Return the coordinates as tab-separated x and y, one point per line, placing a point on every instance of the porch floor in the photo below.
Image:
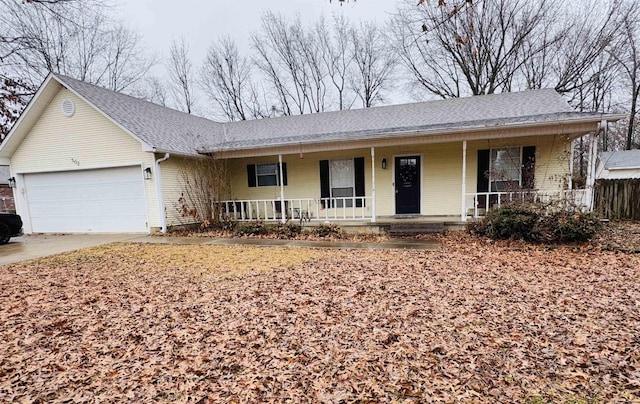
385	223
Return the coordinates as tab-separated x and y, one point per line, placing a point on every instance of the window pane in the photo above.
343	193
267	174
505	169
342	173
267	180
268	169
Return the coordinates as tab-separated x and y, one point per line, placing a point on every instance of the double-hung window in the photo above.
505	170
342	181
266	175
342	178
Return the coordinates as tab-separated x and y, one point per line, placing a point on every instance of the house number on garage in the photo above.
74	161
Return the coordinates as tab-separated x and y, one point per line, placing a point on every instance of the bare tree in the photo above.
123	63
337	54
374	63
291	60
627	55
71	37
181	75
226	78
479	52
151	89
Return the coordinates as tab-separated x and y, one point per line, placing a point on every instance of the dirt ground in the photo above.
477	321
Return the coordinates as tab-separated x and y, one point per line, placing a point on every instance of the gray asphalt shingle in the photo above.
170	130
621	159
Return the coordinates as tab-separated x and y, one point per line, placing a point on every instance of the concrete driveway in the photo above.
37	246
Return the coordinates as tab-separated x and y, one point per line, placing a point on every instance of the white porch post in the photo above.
282	204
373	185
591	169
571	154
463	213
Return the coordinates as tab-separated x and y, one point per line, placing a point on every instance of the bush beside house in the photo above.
535	223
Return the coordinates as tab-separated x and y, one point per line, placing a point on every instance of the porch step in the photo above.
414	228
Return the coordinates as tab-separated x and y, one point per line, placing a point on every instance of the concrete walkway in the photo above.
391	244
37	246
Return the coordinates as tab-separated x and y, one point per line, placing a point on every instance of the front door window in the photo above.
407	184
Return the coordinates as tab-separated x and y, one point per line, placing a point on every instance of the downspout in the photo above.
158	180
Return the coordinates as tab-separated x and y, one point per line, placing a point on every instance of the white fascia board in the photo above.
8	140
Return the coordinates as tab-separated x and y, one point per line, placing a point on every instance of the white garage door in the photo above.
89	201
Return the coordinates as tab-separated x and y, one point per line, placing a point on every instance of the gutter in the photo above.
160	196
392	134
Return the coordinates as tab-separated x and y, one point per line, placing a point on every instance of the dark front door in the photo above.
407	184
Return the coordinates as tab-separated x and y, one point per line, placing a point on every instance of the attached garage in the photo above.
85	159
110	200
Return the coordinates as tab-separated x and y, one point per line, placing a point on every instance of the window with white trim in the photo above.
342	180
267	174
505	169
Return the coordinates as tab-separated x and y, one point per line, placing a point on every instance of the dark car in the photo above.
10	226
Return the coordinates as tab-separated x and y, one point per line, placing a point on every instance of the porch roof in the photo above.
424	118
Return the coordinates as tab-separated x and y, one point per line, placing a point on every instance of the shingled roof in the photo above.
397	120
620	159
165	129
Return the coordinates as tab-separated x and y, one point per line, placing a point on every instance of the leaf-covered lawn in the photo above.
475	322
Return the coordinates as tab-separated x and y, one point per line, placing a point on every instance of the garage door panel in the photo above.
103	201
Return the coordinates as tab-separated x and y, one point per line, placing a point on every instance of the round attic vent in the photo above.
68	108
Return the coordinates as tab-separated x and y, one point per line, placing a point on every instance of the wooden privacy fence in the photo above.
618	199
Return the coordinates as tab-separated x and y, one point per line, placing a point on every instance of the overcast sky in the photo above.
201	22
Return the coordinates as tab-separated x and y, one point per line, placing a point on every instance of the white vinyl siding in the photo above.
85	141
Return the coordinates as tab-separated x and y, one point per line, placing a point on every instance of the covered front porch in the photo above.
421	182
350	212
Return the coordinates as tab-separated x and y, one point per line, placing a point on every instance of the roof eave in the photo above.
622	168
401	134
17	134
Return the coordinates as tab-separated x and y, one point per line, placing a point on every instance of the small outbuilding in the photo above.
615	165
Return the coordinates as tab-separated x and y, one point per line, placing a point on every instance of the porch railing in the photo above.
302	209
481	202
